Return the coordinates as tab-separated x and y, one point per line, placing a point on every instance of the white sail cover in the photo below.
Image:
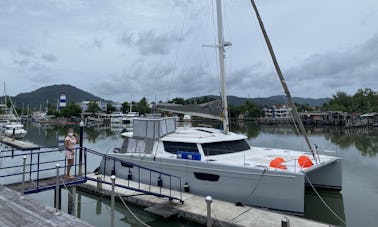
211	110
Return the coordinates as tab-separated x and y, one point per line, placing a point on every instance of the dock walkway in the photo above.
195	208
23	145
17	211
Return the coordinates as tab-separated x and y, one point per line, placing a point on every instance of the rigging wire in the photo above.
180	38
283	82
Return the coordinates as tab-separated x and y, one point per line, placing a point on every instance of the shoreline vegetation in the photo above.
357	110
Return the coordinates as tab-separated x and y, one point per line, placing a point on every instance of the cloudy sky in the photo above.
127	49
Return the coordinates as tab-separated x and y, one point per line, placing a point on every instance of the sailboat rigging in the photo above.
283	83
221	163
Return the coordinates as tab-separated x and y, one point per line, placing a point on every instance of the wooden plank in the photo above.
43	183
162	210
18	143
17	211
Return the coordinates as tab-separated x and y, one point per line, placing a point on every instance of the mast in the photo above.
5	100
283	82
221	51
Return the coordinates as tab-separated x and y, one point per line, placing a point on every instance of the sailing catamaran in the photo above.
221	163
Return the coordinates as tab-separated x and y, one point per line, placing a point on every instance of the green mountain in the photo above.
50	95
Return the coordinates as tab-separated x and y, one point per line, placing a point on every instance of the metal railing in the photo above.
118	165
35	166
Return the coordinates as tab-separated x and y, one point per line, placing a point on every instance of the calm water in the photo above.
357	203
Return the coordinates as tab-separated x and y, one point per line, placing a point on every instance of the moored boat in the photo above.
15	130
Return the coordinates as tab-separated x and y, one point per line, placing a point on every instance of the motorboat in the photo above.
15	130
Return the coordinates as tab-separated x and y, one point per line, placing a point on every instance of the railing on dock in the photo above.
32	171
39	172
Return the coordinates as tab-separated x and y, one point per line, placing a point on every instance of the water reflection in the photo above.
364	139
53	135
100	206
316	210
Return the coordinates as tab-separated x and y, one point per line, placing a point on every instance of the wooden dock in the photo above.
17	211
23	145
44	184
195	207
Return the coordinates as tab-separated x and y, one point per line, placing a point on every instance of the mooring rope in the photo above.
124	203
324	202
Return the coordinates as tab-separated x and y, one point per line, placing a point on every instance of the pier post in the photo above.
112	202
23	176
78	205
57	191
72	200
208	200
285	222
98	206
99	183
81	148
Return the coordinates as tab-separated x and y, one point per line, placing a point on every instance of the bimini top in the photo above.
165	129
151	128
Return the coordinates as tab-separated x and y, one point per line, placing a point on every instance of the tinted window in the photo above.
173	147
225	147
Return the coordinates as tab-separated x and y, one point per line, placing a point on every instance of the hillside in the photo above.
51	95
273	100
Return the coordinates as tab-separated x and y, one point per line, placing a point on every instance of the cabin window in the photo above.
225	147
206	176
174	147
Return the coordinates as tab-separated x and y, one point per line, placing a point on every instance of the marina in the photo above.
88	161
159	200
347	204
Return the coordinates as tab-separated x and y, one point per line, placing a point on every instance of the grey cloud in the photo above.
49	57
149	43
354	68
96	43
25	53
164	82
22	62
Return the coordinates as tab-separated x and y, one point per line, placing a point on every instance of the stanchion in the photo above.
23	176
81	148
57	191
208	200
112	202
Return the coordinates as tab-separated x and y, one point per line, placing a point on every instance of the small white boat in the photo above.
16	131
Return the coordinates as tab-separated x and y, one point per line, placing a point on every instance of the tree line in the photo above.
364	101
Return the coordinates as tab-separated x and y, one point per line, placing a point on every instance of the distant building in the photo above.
278	112
84	105
62	101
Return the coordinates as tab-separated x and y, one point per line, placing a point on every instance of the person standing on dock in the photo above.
69	143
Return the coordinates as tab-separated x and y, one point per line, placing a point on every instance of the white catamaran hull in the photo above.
257	186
